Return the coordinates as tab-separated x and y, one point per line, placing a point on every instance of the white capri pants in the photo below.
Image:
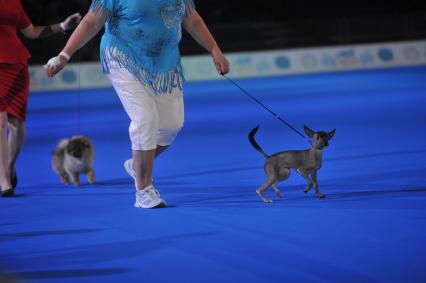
155	119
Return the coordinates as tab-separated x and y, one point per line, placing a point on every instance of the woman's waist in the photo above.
155	50
12	50
8	32
162	63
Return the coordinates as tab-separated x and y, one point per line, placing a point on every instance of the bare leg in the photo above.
277	191
17	134
4	154
143	165
264	186
314	179
305	175
283	174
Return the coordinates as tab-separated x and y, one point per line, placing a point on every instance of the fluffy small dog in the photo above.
73	157
306	162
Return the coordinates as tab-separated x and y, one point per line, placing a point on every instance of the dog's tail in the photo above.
254	143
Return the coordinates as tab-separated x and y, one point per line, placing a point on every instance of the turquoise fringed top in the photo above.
143	37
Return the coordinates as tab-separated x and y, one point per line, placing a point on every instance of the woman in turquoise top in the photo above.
140	54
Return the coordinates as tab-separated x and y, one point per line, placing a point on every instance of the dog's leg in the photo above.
305	175
91	176
315	181
270	174
75	178
284	173
264	186
64	178
277	191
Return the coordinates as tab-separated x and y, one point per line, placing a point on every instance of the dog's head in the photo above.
78	146
319	139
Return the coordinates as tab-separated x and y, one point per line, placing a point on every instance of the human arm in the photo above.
35	32
86	30
195	26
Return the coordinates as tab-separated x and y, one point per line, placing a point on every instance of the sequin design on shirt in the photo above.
172	13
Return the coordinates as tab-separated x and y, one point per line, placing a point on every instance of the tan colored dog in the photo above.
73	157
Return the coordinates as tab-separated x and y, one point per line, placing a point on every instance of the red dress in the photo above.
14	77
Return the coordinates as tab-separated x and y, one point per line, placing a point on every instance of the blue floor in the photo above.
370	228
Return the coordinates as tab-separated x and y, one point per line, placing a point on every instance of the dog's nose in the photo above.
77	154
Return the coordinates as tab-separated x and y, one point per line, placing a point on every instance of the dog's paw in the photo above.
65	181
91	177
265	199
280	194
321	196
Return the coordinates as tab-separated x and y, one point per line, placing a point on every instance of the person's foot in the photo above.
8	193
149	198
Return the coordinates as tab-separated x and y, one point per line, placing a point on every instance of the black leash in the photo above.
79	95
268	109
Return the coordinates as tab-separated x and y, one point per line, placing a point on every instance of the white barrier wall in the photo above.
257	64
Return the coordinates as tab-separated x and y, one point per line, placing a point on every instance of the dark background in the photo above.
261	25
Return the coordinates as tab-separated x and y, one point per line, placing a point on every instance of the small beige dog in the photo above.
73	157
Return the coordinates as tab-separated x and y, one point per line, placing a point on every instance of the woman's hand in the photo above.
55	65
71	21
220	61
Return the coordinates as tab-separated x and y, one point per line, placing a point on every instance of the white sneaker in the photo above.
128	166
149	198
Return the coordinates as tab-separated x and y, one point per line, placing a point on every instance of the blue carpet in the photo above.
370	228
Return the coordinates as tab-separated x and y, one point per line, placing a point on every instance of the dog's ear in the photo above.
309	132
331	134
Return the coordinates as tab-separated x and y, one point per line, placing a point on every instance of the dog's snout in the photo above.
77	154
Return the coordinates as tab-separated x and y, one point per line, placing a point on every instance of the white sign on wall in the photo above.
256	64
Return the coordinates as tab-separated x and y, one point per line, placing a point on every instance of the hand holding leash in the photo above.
220	61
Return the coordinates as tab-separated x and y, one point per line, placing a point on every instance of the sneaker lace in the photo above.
153	191
152	194
156	192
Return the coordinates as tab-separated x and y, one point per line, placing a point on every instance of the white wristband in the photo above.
66	55
62	25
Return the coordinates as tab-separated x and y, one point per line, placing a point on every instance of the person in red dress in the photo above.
14	83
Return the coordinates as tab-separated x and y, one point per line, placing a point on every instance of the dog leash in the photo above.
79	94
267	108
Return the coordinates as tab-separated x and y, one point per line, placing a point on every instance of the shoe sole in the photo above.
160	205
